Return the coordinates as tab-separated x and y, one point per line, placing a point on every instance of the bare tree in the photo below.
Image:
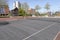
37	7
47	6
3	2
25	6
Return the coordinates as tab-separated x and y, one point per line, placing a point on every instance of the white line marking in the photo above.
56	36
38	31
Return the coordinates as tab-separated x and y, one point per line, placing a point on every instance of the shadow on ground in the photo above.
4	23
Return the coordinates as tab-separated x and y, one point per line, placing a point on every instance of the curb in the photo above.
57	37
12	20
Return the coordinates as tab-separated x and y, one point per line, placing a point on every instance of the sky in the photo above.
54	4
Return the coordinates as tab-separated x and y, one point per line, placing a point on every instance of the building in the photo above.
14	12
4	10
57	13
16	4
31	11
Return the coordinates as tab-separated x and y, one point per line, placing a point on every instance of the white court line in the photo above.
56	36
38	31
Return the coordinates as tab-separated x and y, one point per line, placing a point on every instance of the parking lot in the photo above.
30	29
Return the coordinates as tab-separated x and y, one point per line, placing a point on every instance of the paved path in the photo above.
30	29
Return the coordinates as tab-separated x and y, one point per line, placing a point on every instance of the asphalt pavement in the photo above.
30	29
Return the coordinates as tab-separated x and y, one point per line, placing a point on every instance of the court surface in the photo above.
30	29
